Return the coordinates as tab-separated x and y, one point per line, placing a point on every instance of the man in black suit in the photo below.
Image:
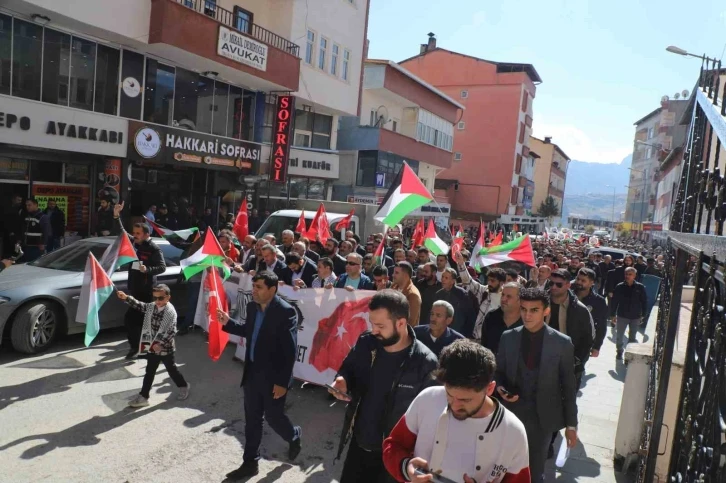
298	269
271	333
270	261
331	251
288	238
301	249
535	378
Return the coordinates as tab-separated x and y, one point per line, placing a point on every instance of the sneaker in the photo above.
183	392
132	355
139	402
248	469
295	445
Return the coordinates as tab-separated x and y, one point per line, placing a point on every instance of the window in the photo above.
204	108
322	128
243	19
521	132
322	55
27	53
83	68
366	175
464	94
77	174
269	119
525	101
394	126
346	63
461	126
159	92
312	130
210	7
310	48
132	71
107	61
434	130
219	108
457	156
49	171
240	117
374	118
334	60
6	41
56	65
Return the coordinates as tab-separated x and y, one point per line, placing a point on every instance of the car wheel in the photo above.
36	327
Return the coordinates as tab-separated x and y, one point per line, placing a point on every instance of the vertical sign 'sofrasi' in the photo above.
281	140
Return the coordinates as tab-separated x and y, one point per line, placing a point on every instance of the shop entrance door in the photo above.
8	190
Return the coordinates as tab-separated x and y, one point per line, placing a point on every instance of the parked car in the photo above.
39	300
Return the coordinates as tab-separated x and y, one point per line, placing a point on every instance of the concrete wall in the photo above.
372	100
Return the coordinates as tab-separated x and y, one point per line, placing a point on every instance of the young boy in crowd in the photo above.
158	331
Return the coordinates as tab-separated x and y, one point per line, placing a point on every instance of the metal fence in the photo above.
695	254
241	24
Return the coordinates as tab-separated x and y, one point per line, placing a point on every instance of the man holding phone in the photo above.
142	276
458	432
535	378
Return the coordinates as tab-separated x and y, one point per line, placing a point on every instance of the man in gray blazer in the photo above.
535	375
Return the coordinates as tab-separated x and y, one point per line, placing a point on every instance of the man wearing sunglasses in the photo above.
353	279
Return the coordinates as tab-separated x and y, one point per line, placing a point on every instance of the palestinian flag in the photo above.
517	250
379	255
172	236
120	252
433	242
210	254
97	288
480	244
407	193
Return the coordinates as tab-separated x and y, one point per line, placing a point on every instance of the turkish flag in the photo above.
418	234
498	239
241	228
217	300
322	224
345	222
457	246
301	228
313	231
337	334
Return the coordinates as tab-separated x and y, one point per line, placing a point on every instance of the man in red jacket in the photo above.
458	430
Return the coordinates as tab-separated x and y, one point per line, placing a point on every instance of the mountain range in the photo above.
587	192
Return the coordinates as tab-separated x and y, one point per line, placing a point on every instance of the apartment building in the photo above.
550	172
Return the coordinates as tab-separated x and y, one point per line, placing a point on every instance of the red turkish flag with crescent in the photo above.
241	227
217	300
301	228
418	234
337	334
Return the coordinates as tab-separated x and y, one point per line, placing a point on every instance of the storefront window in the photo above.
204	111
372	162
77	174
132	74
317	189
186	99
56	65
49	171
159	92
13	169
366	168
27	57
107	63
83	68
6	32
269	119
219	108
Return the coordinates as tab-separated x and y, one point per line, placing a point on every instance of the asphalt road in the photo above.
63	418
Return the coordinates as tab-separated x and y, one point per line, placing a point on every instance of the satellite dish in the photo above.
381	116
664	100
685	93
676	96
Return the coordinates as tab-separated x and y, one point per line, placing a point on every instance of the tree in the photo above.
548	209
590	229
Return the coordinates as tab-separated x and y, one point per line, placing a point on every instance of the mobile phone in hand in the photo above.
338	391
507	392
436	478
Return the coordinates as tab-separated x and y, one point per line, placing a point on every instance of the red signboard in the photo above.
652	226
281	139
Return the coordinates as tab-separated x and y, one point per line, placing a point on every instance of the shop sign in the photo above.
242	49
365	200
74	201
29	123
313	164
153	144
281	141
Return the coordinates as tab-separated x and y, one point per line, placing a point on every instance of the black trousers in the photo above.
260	404
134	323
363	466
152	364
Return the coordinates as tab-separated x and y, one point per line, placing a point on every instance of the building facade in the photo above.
657	135
403	118
550	172
161	101
491	139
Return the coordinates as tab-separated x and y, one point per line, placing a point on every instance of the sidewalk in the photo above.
598	407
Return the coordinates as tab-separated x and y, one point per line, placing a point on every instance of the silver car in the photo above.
39	300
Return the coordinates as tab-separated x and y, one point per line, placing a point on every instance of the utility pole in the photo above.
646	188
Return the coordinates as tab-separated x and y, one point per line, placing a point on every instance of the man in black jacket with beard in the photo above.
584	288
142	276
383	373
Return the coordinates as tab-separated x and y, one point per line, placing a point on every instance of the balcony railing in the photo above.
224	16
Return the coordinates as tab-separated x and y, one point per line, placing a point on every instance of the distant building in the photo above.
550	172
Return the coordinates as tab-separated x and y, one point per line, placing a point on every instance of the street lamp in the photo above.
612	218
677	50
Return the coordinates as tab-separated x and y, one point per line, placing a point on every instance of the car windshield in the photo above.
71	258
276	224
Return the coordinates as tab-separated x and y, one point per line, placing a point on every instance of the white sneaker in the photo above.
139	402
184	392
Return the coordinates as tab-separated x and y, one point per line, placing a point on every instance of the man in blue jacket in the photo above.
271	333
354	279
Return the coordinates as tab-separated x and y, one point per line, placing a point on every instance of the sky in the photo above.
603	64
